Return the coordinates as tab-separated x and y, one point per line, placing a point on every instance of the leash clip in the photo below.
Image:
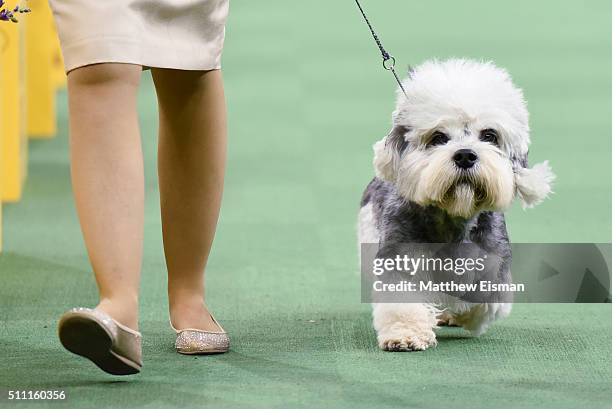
389	63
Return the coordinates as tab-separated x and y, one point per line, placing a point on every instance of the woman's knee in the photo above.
175	88
106	74
184	82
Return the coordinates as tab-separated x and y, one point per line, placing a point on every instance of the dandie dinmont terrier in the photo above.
454	160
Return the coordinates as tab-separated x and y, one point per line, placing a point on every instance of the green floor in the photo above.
307	98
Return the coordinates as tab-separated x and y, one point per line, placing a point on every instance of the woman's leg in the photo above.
191	165
108	180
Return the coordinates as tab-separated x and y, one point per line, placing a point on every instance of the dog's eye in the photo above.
489	135
438	138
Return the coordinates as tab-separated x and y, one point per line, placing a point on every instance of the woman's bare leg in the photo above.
191	165
108	180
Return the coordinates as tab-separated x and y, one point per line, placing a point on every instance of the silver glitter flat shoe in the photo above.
191	341
93	334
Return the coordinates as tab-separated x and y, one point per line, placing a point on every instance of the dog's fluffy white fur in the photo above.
460	97
450	94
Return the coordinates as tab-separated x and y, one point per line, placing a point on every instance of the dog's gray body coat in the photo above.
401	221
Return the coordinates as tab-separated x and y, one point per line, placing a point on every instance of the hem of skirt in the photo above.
124	51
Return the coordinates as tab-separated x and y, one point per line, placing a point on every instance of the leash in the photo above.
388	60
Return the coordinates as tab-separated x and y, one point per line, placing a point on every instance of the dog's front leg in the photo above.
405	327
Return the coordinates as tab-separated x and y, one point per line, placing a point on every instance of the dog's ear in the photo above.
534	184
387	153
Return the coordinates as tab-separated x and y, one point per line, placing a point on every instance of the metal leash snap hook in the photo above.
389	63
388	60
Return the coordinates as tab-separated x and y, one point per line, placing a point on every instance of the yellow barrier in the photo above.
13	140
40	86
41	79
31	70
2	40
57	60
1	136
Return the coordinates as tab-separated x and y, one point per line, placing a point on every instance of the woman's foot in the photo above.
93	334
197	331
189	311
124	310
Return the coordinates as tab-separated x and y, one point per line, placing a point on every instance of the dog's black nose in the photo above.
465	158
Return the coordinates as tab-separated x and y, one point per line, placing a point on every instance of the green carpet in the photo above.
307	98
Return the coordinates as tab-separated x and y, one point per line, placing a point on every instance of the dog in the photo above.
453	161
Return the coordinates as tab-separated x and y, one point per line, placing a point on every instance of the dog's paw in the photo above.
407	341
447	319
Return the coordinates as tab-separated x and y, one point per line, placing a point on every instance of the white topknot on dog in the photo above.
454	160
445	91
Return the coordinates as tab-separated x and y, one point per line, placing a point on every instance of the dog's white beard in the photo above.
433	179
462	201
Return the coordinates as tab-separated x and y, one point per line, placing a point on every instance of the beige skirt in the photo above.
179	34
